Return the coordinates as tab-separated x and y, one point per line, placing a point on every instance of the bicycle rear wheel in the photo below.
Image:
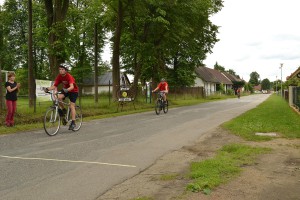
51	121
78	118
166	107
158	107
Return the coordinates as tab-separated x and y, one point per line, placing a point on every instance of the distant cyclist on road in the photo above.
162	87
70	89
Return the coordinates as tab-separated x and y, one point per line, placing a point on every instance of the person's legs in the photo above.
165	96
14	108
9	112
73	97
61	98
73	111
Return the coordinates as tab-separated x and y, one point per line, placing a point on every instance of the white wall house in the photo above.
104	83
211	79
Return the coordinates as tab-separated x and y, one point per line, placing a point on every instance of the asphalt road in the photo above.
85	164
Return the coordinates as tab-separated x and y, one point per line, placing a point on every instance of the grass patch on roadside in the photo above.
168	177
273	115
227	164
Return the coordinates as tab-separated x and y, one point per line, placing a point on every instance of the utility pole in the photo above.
281	89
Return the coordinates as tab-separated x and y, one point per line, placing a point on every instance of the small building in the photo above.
211	80
104	83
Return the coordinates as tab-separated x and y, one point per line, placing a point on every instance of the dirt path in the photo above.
274	176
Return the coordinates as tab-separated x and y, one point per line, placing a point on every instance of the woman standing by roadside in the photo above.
12	88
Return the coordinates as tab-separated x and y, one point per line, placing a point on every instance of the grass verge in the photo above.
273	115
210	173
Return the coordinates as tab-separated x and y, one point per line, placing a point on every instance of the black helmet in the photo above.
65	66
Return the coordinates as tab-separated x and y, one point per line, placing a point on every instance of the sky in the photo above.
258	35
255	36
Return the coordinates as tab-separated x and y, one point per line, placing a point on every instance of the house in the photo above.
104	83
257	88
211	80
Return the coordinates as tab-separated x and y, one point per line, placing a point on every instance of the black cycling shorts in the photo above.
71	95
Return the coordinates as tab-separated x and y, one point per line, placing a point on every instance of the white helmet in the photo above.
65	66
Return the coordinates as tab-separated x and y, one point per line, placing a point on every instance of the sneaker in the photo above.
72	126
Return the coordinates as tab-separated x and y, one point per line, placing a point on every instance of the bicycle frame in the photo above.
57	102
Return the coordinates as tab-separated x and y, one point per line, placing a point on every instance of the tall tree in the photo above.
31	79
96	64
116	48
56	11
1	58
219	67
265	84
254	78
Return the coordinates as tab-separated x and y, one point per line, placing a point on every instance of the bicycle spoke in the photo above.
51	121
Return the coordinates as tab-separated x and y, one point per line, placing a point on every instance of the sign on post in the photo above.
40	94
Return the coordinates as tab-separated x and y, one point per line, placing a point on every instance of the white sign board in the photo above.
40	94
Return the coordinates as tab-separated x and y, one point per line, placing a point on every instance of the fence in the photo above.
197	92
294	96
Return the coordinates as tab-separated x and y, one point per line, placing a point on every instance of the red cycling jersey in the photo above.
163	86
66	81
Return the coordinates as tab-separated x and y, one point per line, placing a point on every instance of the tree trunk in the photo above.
96	63
56	13
1	61
116	51
31	80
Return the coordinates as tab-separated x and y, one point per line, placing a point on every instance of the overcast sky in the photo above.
256	35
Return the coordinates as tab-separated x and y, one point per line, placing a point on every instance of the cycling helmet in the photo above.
162	80
65	66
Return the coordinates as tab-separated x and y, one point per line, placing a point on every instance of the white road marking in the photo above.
69	161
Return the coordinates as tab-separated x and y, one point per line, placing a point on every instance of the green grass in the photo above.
273	115
227	164
26	119
168	177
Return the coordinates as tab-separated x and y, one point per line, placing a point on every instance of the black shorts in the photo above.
71	95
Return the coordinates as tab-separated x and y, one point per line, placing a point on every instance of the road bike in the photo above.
160	104
54	117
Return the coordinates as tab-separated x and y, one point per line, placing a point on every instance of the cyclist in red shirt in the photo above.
162	87
70	89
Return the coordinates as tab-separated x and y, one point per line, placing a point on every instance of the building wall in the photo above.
90	89
209	88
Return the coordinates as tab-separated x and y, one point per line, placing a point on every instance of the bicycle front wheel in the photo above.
158	107
78	118
51	121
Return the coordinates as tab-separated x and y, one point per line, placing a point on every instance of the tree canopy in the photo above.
254	78
265	84
150	39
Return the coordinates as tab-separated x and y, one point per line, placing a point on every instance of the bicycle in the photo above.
160	104
52	118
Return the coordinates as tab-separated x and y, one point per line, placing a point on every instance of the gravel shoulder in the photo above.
275	175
